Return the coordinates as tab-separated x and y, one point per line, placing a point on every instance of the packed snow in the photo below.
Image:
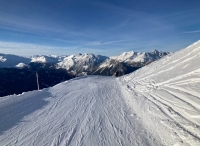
170	90
157	105
83	111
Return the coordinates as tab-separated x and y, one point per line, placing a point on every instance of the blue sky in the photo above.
106	27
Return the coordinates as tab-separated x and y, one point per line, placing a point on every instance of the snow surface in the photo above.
157	105
170	90
82	111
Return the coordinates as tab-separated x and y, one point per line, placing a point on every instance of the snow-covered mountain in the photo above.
158	104
127	62
21	65
47	59
85	63
140	56
111	66
8	60
81	62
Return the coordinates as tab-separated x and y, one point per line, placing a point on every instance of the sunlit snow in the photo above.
157	105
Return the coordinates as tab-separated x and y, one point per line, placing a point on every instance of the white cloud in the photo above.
196	31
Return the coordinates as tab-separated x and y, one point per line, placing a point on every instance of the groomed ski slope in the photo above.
156	105
85	111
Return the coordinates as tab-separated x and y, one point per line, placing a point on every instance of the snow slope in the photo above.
170	89
83	111
157	105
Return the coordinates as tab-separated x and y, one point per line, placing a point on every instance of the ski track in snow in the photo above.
176	112
93	113
171	86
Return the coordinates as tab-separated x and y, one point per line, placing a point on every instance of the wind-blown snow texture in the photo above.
157	105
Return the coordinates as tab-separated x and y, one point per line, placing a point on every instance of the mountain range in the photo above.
85	63
18	73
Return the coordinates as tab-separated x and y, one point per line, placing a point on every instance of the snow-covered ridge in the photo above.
182	63
81	61
47	59
21	65
140	56
128	62
107	63
109	67
8	60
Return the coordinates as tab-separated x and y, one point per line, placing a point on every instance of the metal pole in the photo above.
37	81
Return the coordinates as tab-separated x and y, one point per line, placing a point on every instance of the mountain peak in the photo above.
155	51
